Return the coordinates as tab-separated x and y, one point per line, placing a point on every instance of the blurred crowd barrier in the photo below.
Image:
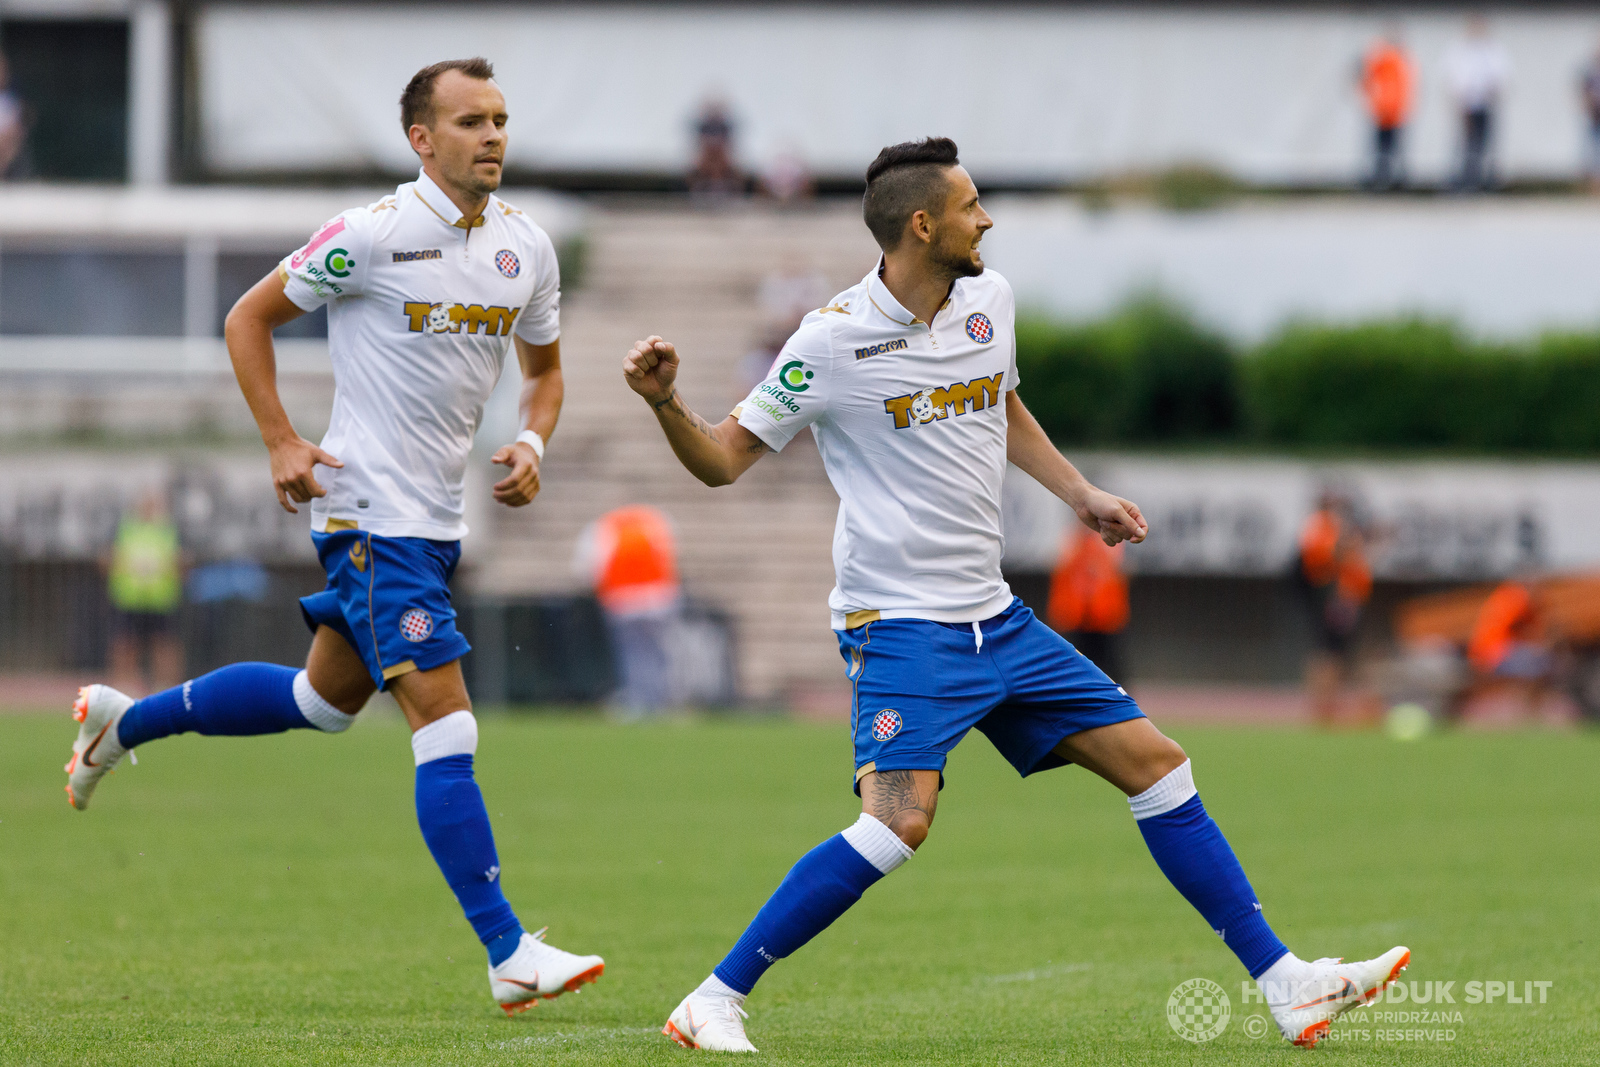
245	561
1214	591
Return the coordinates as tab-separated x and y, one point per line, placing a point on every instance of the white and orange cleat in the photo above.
1306	997
710	1019
99	708
538	970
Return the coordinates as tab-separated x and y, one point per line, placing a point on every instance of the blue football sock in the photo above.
1195	857
816	891
239	700
455	824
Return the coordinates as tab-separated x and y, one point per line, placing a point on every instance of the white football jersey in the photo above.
910	419
421	309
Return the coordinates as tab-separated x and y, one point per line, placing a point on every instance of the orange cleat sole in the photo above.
518	1009
1394	972
1311	1035
672	1032
586	978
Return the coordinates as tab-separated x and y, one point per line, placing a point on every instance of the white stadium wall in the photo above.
1031	94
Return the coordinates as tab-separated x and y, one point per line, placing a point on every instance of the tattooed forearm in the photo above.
674	403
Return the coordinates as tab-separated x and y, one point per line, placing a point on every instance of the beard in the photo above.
960	261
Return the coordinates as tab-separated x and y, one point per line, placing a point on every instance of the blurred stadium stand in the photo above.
197	143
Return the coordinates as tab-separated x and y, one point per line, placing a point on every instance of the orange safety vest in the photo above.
638	560
1327	556
1386	80
1088	591
1508	609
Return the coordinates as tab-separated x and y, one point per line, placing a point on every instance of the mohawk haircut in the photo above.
416	103
904	179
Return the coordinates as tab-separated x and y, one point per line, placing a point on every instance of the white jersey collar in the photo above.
888	306
433	198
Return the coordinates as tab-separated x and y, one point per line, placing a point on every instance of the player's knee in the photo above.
1165	756
911	827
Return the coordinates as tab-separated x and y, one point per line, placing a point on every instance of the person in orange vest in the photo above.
1509	641
1334	572
1089	599
1387	78
629	556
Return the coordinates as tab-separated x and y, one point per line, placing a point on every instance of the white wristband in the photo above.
533	441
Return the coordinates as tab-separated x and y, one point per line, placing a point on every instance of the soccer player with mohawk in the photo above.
908	382
426	290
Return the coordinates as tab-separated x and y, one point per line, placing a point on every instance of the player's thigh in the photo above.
430	695
337	673
904	801
1132	755
1053	692
918	689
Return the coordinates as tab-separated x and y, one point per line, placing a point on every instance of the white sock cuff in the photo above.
318	712
1171	792
878	845
716	987
454	735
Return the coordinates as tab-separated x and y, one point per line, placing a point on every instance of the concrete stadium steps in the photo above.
759	549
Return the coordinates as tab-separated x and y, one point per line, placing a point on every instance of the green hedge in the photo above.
1148	373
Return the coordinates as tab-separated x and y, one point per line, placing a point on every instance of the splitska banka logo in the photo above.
445	317
336	264
931	405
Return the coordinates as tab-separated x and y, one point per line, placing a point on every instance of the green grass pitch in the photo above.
270	900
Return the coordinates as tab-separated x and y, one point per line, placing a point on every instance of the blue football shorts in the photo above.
390	598
919	686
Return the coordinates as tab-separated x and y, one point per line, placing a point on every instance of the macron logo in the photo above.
877	350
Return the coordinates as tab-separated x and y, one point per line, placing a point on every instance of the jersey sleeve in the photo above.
796	390
540	321
1012	378
332	264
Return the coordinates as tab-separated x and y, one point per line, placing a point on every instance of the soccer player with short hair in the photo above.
908	382
426	291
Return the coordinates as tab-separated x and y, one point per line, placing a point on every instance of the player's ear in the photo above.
921	226
421	142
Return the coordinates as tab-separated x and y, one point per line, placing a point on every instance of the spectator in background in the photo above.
145	571
1510	646
1334	573
713	176
13	124
1477	69
786	177
1589	87
1089	599
629	557
790	292
1386	82
756	364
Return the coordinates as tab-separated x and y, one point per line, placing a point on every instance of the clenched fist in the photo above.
650	369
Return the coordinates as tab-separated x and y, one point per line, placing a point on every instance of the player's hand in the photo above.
522	484
1112	517
651	368
292	461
